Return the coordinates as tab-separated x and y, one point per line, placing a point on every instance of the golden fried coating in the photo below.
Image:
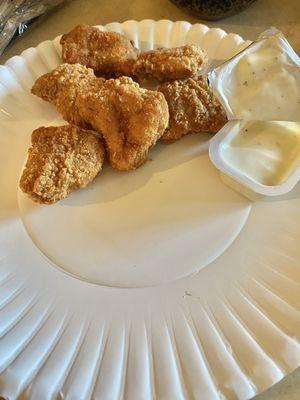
60	160
61	87
169	64
108	53
131	120
192	108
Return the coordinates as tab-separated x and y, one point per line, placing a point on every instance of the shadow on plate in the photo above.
111	184
293	194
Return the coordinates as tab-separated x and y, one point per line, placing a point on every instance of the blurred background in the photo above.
256	17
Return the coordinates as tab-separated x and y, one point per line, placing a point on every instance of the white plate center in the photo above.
162	222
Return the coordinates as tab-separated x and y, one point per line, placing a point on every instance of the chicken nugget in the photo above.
60	160
107	53
131	120
192	107
61	87
170	64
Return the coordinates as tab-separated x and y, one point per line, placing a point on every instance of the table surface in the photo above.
284	14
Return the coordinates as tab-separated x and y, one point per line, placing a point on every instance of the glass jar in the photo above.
213	9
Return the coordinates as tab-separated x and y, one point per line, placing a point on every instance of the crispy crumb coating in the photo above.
169	64
131	120
61	87
192	108
107	53
60	160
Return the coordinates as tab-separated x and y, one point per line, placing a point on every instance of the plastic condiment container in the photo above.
259	159
262	82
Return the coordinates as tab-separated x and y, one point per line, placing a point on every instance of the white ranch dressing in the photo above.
266	152
261	83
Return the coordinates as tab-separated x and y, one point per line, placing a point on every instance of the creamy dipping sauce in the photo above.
261	83
266	152
265	87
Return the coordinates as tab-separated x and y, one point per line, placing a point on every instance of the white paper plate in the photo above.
145	319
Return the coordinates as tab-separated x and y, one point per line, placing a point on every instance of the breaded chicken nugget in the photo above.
169	64
192	108
60	160
61	87
131	120
107	53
